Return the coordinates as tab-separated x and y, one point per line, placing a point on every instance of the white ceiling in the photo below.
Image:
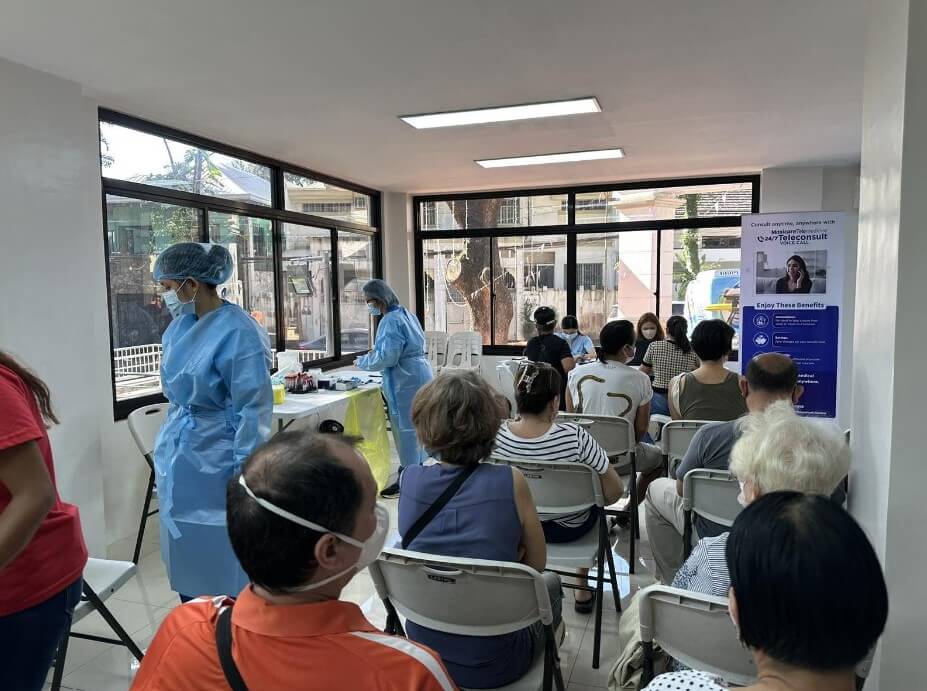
687	86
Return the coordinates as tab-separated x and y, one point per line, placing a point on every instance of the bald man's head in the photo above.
772	373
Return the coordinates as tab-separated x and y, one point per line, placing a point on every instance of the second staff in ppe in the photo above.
398	352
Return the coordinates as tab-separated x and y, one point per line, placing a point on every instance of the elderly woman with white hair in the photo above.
777	451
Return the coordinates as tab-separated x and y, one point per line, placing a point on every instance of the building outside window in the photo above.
666	247
509	212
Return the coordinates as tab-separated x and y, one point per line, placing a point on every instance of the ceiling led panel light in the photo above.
482	116
541	159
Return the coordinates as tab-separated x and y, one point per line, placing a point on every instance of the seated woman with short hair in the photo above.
807	597
711	391
536	434
491	516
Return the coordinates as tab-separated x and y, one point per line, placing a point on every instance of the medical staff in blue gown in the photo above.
215	372
399	352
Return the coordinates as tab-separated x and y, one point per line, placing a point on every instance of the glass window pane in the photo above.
136	156
616	278
137	232
322	199
531	272
705	281
456	277
251	287
509	212
728	199
307	285
355	268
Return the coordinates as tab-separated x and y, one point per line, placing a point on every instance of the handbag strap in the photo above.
224	646
439	504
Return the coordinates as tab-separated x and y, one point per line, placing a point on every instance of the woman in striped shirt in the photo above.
537	435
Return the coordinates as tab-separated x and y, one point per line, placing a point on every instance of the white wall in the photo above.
53	310
889	376
817	188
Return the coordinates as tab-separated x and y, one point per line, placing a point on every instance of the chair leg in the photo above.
113	624
613	576
599	594
647	671
686	535
60	656
632	506
552	672
144	519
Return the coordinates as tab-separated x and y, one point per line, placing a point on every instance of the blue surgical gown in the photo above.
215	372
399	352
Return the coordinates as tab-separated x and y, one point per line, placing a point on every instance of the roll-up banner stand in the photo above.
791	291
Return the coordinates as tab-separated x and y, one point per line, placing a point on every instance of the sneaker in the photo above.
391	492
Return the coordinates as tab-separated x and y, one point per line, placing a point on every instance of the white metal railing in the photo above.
137	370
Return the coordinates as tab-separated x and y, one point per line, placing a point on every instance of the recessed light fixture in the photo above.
480	116
568	157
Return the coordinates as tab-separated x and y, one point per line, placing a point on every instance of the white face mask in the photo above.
741	498
648	333
570	337
370	548
175	305
730	613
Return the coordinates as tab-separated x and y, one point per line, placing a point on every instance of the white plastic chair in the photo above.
144	424
560	488
675	439
464	350
616	436
696	630
711	494
436	349
469	597
102	578
505	372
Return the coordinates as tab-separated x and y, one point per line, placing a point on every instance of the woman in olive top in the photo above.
711	392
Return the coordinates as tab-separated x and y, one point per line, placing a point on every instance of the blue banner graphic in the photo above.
811	338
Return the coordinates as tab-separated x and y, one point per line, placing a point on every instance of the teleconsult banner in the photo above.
791	288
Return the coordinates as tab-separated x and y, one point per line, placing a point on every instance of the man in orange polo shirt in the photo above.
303	519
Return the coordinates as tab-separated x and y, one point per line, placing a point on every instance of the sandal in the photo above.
586	606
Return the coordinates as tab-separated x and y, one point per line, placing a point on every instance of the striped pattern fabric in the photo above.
705	571
564	442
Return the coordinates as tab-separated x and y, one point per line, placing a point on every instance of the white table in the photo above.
301	406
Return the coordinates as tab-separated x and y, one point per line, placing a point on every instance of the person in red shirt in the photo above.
42	551
303	520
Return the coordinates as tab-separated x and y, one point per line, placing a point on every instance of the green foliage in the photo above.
688	262
195	172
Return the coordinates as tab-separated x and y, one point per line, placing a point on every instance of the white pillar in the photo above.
889	378
398	264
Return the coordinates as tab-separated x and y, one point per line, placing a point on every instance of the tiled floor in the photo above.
146	600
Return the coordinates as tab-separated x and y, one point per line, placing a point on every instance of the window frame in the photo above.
571	229
276	213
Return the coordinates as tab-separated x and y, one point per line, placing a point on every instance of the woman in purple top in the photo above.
492	516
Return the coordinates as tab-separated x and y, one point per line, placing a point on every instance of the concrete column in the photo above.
398	264
889	377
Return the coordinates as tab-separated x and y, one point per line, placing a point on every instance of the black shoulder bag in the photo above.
224	646
435	508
